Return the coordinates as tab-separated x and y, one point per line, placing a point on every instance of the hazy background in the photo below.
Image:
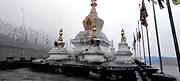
51	15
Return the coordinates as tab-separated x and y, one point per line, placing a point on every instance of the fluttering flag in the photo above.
176	2
143	14
138	33
134	42
153	1
161	4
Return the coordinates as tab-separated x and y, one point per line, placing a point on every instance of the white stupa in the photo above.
58	52
80	41
123	53
93	53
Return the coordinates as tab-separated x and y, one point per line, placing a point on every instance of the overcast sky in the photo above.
51	15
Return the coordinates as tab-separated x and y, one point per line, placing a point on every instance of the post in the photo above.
157	37
136	50
148	46
143	44
70	46
143	39
139	50
139	42
176	46
137	38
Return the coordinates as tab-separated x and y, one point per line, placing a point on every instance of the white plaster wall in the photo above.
94	57
123	47
55	57
123	58
104	49
82	48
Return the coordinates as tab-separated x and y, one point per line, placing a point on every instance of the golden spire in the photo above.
88	22
93	12
122	32
94	32
94	28
60	36
123	38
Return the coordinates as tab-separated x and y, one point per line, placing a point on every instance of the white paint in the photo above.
99	58
57	57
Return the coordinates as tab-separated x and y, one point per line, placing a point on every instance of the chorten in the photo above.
123	55
58	51
123	49
81	41
94	52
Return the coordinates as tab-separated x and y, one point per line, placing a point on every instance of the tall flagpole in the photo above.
135	52
176	46
148	46
137	37
143	44
139	42
134	45
157	37
143	40
136	48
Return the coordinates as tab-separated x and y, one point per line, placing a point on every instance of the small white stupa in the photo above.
58	52
123	53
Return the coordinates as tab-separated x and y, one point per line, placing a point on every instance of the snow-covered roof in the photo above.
56	50
57	57
88	34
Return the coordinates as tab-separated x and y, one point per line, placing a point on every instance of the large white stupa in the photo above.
81	41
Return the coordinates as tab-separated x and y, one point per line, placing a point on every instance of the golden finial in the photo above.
123	38
93	22
94	28
93	3
122	32
94	32
60	35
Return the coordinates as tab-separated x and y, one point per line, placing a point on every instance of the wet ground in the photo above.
169	69
25	74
